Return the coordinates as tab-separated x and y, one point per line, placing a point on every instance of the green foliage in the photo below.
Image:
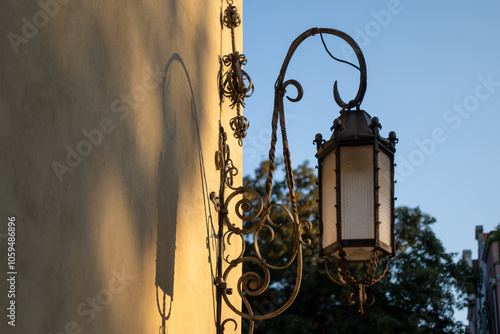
419	294
494	237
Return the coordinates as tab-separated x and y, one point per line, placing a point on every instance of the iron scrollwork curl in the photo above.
234	83
256	214
251	210
357	288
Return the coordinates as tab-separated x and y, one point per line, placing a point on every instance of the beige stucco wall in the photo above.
109	124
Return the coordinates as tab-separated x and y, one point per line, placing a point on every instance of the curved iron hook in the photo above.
298	86
356	102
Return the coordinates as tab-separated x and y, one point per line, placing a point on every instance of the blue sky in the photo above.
433	77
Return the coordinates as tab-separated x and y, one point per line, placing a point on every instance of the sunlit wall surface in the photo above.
109	127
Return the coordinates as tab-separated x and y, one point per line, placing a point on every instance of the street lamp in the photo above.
356	190
356	198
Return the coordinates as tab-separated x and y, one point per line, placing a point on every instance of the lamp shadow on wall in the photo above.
168	182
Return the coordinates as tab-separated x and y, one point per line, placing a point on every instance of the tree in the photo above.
419	294
494	236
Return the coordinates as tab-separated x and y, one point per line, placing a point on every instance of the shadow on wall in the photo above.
168	184
96	63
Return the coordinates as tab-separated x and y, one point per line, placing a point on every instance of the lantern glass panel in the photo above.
357	192
385	199
329	200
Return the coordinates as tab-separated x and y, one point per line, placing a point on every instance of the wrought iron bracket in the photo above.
250	283
256	214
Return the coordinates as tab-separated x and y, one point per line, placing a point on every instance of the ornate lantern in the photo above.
356	189
356	196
